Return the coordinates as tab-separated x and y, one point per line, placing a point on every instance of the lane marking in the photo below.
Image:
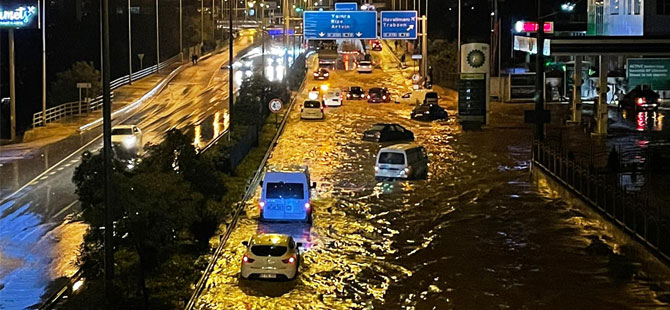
66	208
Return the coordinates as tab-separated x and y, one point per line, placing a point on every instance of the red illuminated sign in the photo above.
532	27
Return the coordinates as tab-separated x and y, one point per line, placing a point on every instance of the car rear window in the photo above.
355	89
284	190
122	131
365	63
268	250
431	95
378	127
312	104
392	158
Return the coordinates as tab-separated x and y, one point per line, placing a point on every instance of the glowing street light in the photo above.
568	6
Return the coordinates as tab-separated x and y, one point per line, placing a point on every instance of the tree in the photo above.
442	56
64	88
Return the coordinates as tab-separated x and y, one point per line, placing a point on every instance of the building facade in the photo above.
628	17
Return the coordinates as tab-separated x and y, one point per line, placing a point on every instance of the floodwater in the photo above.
478	233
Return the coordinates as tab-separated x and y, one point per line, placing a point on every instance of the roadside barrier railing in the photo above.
630	210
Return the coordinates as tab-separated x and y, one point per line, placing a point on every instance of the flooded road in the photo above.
477	234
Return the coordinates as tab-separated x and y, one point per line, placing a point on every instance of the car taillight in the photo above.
641	101
316	74
368	96
247	259
290	260
384	97
262	204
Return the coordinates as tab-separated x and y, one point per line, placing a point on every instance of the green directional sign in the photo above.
649	71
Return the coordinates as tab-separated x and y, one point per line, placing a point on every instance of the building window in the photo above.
638	4
663	7
629	7
614	7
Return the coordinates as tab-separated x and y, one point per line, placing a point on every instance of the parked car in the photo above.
321	74
641	98
270	256
382	132
379	94
311	109
355	93
365	66
376	45
286	195
333	97
429	112
401	161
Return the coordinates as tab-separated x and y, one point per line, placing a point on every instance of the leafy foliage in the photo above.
443	57
297	73
64	88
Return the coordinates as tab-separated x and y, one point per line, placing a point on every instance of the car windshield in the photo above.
391	158
284	190
122	131
355	90
269	250
312	104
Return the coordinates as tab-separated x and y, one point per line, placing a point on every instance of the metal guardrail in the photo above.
72	108
239	206
630	211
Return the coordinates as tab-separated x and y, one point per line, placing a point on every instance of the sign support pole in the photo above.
130	49
231	61
158	44
44	64
12	87
424	47
539	76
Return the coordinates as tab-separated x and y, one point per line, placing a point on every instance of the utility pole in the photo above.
263	38
107	155
539	75
287	22
202	24
44	63
158	44
231	61
130	48
213	21
12	87
458	40
424	47
181	29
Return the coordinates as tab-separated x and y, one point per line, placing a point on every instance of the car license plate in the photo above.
268	275
417	115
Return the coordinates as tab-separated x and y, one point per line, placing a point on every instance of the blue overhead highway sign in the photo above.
399	24
329	25
346	6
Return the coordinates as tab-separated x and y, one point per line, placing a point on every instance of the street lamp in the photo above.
568	6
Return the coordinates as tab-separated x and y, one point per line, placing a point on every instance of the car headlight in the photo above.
129	142
378	135
376	168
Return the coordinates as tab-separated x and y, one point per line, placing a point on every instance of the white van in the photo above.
418	97
286	195
404	161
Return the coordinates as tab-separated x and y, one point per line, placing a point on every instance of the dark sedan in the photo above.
379	94
387	132
640	99
355	93
321	74
429	112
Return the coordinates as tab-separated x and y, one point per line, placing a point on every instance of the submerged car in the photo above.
382	132
355	93
429	112
640	99
270	256
379	94
127	139
321	74
311	109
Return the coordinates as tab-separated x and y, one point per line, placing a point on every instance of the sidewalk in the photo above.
39	137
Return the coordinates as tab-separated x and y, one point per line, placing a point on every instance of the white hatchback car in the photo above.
271	256
365	66
311	109
128	137
333	97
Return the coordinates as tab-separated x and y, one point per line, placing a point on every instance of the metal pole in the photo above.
12	88
458	40
158	44
44	64
213	21
539	75
181	30
263	41
424	48
202	24
130	48
285	11
577	91
231	61
107	153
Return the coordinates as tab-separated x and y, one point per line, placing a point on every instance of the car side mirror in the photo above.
245	243
299	244
313	184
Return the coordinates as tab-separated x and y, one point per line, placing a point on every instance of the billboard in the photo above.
19	14
654	72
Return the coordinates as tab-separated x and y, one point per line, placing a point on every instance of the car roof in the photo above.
385	124
400	147
123	127
270	239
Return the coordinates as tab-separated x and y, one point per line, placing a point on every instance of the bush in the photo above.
64	88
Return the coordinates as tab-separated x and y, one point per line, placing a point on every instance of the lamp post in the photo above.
158	44
181	30
44	64
130	48
231	61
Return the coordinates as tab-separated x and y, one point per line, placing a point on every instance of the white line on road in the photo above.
66	208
